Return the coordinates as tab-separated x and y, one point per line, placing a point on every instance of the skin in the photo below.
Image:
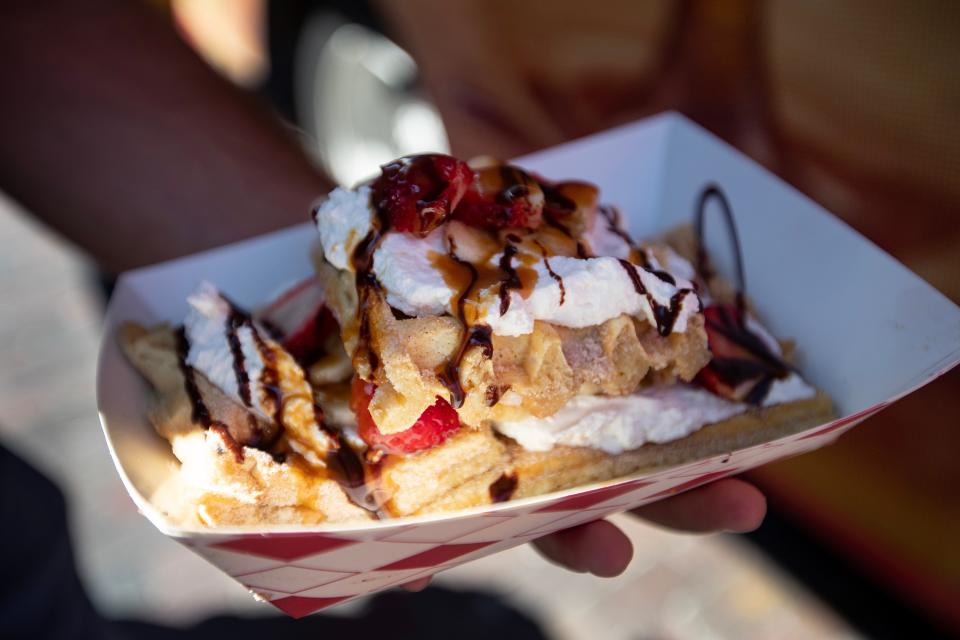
121	139
600	548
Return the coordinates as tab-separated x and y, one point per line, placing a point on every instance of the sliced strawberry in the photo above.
417	193
307	344
501	197
433	427
299	319
743	367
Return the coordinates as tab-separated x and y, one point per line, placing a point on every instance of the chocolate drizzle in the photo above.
761	366
350	471
704	269
270	378
555	203
638	254
367	287
557	206
478	335
553	274
228	440
502	488
259	433
234	321
550	218
199	411
511	280
515	185
731	324
665	315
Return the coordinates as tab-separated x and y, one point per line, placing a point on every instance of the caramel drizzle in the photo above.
478	335
552	221
270	378
665	316
555	201
367	287
341	461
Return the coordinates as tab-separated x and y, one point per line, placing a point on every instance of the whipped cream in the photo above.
344	220
210	352
615	424
595	289
658	414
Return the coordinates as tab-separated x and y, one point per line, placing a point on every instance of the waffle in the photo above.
529	375
219	481
404	413
533	473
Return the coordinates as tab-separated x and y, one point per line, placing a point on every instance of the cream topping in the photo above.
596	289
208	330
616	424
343	219
210	352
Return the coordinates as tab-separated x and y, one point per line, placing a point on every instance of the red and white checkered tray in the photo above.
868	332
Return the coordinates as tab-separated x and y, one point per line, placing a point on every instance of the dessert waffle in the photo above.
473	335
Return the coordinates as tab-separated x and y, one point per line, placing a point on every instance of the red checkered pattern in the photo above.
303	573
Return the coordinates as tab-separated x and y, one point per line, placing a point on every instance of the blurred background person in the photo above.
853	103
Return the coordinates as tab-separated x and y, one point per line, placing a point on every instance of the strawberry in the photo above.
416	194
743	367
501	196
306	345
437	423
299	319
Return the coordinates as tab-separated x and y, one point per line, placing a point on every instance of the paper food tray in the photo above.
868	332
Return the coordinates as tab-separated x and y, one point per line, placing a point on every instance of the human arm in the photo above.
123	140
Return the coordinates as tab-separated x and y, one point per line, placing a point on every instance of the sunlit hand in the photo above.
604	550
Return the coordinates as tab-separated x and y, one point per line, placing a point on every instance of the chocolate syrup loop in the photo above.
713	190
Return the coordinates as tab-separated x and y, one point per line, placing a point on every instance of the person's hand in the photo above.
604	550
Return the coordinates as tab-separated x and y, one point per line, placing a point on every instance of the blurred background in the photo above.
854	103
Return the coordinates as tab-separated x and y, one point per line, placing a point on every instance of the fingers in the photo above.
417	585
726	505
598	547
602	549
